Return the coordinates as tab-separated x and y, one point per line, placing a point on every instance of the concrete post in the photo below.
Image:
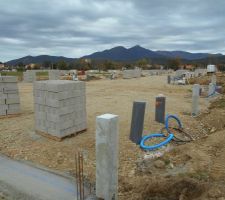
195	99
160	106
137	121
168	79
107	130
211	89
213	79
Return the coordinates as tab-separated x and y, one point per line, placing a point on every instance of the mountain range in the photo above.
122	54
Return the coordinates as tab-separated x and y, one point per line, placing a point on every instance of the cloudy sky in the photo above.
74	28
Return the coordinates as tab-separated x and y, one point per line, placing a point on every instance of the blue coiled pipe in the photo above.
167	122
147	137
166	141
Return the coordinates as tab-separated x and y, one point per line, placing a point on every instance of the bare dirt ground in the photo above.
188	171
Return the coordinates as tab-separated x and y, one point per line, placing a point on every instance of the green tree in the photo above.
62	65
47	64
37	66
174	63
20	64
142	63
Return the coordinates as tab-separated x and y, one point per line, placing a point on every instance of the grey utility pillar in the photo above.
213	79
137	121
107	133
212	88
160	107
195	99
168	79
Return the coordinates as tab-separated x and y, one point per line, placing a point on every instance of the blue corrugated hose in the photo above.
166	141
143	146
167	122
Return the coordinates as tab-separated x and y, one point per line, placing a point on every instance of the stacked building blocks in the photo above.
54	74
29	76
131	73
60	108
9	96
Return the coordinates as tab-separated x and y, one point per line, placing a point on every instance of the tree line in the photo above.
145	63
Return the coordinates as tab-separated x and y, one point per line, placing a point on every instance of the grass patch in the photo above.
12	73
41	73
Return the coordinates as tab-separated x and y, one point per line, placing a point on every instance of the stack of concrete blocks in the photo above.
200	72
54	74
131	73
64	72
181	72
29	76
9	95
60	107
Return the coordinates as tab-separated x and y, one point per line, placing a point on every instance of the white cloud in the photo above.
74	28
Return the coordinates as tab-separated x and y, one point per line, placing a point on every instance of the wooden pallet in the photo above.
9	116
58	139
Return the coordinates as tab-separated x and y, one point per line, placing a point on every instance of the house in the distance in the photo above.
2	66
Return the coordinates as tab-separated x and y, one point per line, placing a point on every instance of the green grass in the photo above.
11	73
41	73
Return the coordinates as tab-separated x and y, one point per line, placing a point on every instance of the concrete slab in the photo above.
38	183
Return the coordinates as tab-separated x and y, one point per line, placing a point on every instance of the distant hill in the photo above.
137	52
39	59
186	55
123	54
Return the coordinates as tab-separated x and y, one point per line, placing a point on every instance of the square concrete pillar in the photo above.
213	79
195	99
160	108
212	88
107	132
137	121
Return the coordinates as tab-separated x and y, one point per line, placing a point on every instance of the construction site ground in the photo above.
187	171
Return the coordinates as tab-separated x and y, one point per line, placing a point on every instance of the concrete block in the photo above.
58	118
2	112
9	79
3	107
3	95
14	106
60	101
39	85
40	125
81	127
107	130
39	100
40	93
13	100
2	101
12	96
10	86
40	115
13	109
60	125
60	85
